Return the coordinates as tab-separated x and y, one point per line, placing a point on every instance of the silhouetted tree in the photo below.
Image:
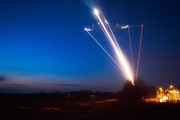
132	94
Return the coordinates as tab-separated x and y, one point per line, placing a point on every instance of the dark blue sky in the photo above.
43	46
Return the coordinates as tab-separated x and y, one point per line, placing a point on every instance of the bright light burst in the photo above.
122	61
96	12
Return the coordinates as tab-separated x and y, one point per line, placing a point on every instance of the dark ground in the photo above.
57	107
143	112
71	110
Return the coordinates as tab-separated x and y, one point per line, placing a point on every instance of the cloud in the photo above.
19	85
71	85
2	78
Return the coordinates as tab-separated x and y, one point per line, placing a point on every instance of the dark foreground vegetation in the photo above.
126	104
55	106
73	110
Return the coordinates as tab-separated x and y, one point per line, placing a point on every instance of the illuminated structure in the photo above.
161	95
169	95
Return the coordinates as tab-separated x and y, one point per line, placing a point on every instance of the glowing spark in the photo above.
121	58
96	12
125	27
106	21
87	29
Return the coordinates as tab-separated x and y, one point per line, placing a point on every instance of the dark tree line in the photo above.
130	94
73	95
133	94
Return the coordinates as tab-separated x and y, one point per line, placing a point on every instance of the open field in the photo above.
84	110
35	109
142	112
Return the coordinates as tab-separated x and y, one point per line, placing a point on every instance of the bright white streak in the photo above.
118	52
105	51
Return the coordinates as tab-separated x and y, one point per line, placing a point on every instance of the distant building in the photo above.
169	95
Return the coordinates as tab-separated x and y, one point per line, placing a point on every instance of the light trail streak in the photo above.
129	35
105	51
139	53
113	36
132	59
121	58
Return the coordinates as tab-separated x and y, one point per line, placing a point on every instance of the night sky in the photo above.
43	45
